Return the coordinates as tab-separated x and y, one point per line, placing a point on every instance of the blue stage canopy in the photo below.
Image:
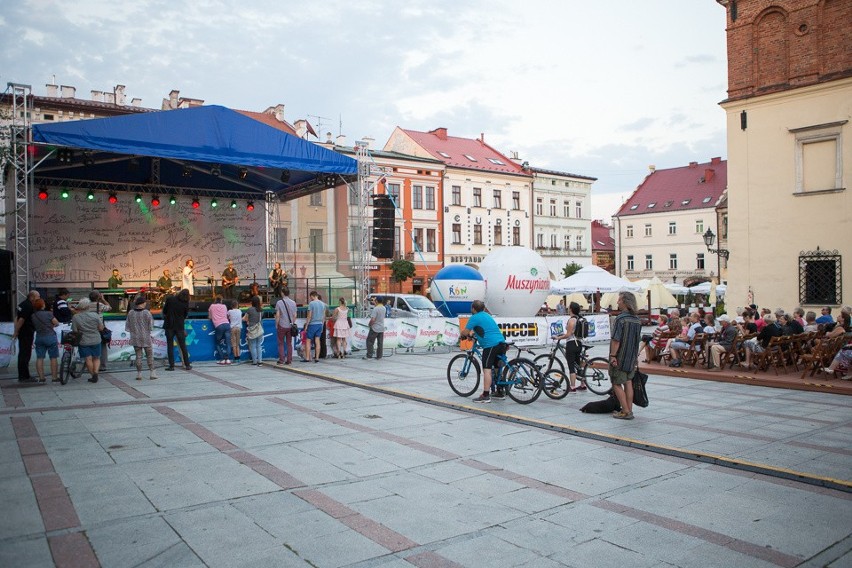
206	149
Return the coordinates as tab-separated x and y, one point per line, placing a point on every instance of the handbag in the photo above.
254	331
640	393
106	335
294	329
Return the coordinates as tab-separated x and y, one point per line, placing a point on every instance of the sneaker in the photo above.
227	361
484	397
828	371
675	363
153	377
279	363
188	367
580	387
499	394
623	415
170	368
138	377
220	362
93	378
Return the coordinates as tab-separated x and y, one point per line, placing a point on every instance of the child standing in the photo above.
235	318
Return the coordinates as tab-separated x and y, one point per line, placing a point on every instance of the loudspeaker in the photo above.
383	227
199	306
7	299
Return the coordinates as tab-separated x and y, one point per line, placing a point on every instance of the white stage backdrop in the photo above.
77	240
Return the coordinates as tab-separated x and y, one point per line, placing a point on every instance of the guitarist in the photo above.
277	280
229	280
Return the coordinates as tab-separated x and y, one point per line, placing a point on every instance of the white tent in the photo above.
591	279
704	288
676	289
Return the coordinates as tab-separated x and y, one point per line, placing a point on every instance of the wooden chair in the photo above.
736	353
696	350
656	352
762	361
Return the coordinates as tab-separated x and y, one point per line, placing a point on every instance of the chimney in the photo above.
136	101
652	168
441	133
693	164
717	160
68	92
120	97
277	111
328	137
708	174
301	129
52	90
98	96
482	137
341	140
109	98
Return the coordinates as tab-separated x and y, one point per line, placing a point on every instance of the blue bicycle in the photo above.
519	377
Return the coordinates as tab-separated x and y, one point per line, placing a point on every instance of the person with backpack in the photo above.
575	332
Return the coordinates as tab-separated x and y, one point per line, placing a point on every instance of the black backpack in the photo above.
581	328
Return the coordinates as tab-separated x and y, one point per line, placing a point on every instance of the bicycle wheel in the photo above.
463	374
65	367
555	384
76	368
545	363
596	379
522	382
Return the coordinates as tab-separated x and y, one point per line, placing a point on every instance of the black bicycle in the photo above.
70	365
555	381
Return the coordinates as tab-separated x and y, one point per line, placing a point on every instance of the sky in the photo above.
600	88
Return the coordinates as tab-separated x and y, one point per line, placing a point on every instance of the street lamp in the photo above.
709	237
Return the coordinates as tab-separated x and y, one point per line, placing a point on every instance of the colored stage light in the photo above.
243	173
250	206
155	201
113	198
172	200
42	194
233	204
64	193
195	203
138	198
91	195
214	204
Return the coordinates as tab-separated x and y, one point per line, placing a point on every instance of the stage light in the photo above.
214	204
187	171
65	156
64	193
250	206
233	204
138	198
91	195
216	171
113	198
155	201
88	160
172	200
195	203
243	173
42	194
285	176
330	181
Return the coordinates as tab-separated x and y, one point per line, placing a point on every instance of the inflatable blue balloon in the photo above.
455	287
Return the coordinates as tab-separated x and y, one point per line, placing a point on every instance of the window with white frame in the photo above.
553	208
553	244
281	239
566	209
818	159
315	240
397	240
539	240
672	227
699	261
649	262
393	191
647	229
456	195
498	235
672	261
477	197
417	196
477	234
629	231
456	233
578	242
430	240
579	209
567	242
418	239
539	206
631	265
516	236
430	198
316	199
699	226
498	199
516	200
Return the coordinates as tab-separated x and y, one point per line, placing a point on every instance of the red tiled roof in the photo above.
601	239
696	186
470	153
269	120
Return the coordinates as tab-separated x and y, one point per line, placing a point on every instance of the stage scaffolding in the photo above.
22	179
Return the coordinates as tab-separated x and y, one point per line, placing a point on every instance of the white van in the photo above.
408	305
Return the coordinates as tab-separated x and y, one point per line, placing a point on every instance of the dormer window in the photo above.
652	205
444	154
685	201
668	203
706	200
469	157
634	207
498	162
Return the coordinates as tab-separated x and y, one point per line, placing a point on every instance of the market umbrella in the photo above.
661	297
591	279
579	298
676	289
712	299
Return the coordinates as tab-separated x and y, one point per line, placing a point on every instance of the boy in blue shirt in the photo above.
493	344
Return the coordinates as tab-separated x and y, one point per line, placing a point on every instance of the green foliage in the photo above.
402	270
570	269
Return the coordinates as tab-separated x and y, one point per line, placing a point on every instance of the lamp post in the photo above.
709	238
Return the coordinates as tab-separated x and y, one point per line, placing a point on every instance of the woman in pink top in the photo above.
218	313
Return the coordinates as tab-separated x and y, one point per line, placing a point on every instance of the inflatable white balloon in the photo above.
517	281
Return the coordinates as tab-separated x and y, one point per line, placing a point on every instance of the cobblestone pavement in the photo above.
369	463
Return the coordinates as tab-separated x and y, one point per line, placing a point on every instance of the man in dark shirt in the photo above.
25	334
116	280
229	281
61	311
164	283
789	325
175	311
623	353
723	344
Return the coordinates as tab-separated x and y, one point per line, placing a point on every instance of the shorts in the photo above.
619	377
46	346
314	331
680	345
90	350
490	355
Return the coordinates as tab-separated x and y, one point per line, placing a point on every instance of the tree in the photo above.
570	269
402	270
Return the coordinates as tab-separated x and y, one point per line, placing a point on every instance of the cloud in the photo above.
697	59
639	124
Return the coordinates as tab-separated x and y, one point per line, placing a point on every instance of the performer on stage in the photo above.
188	276
164	283
116	280
277	280
229	280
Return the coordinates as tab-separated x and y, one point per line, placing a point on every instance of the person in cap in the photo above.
724	342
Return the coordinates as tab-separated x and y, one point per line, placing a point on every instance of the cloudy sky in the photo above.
600	88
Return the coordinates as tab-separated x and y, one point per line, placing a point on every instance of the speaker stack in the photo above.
383	227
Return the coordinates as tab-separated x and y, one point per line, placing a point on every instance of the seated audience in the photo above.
723	343
761	342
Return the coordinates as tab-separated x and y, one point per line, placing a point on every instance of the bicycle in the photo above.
71	366
555	381
519	377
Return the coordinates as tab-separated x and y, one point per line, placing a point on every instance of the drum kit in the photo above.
155	295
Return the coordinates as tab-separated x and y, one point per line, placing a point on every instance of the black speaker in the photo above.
7	299
383	227
199	306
